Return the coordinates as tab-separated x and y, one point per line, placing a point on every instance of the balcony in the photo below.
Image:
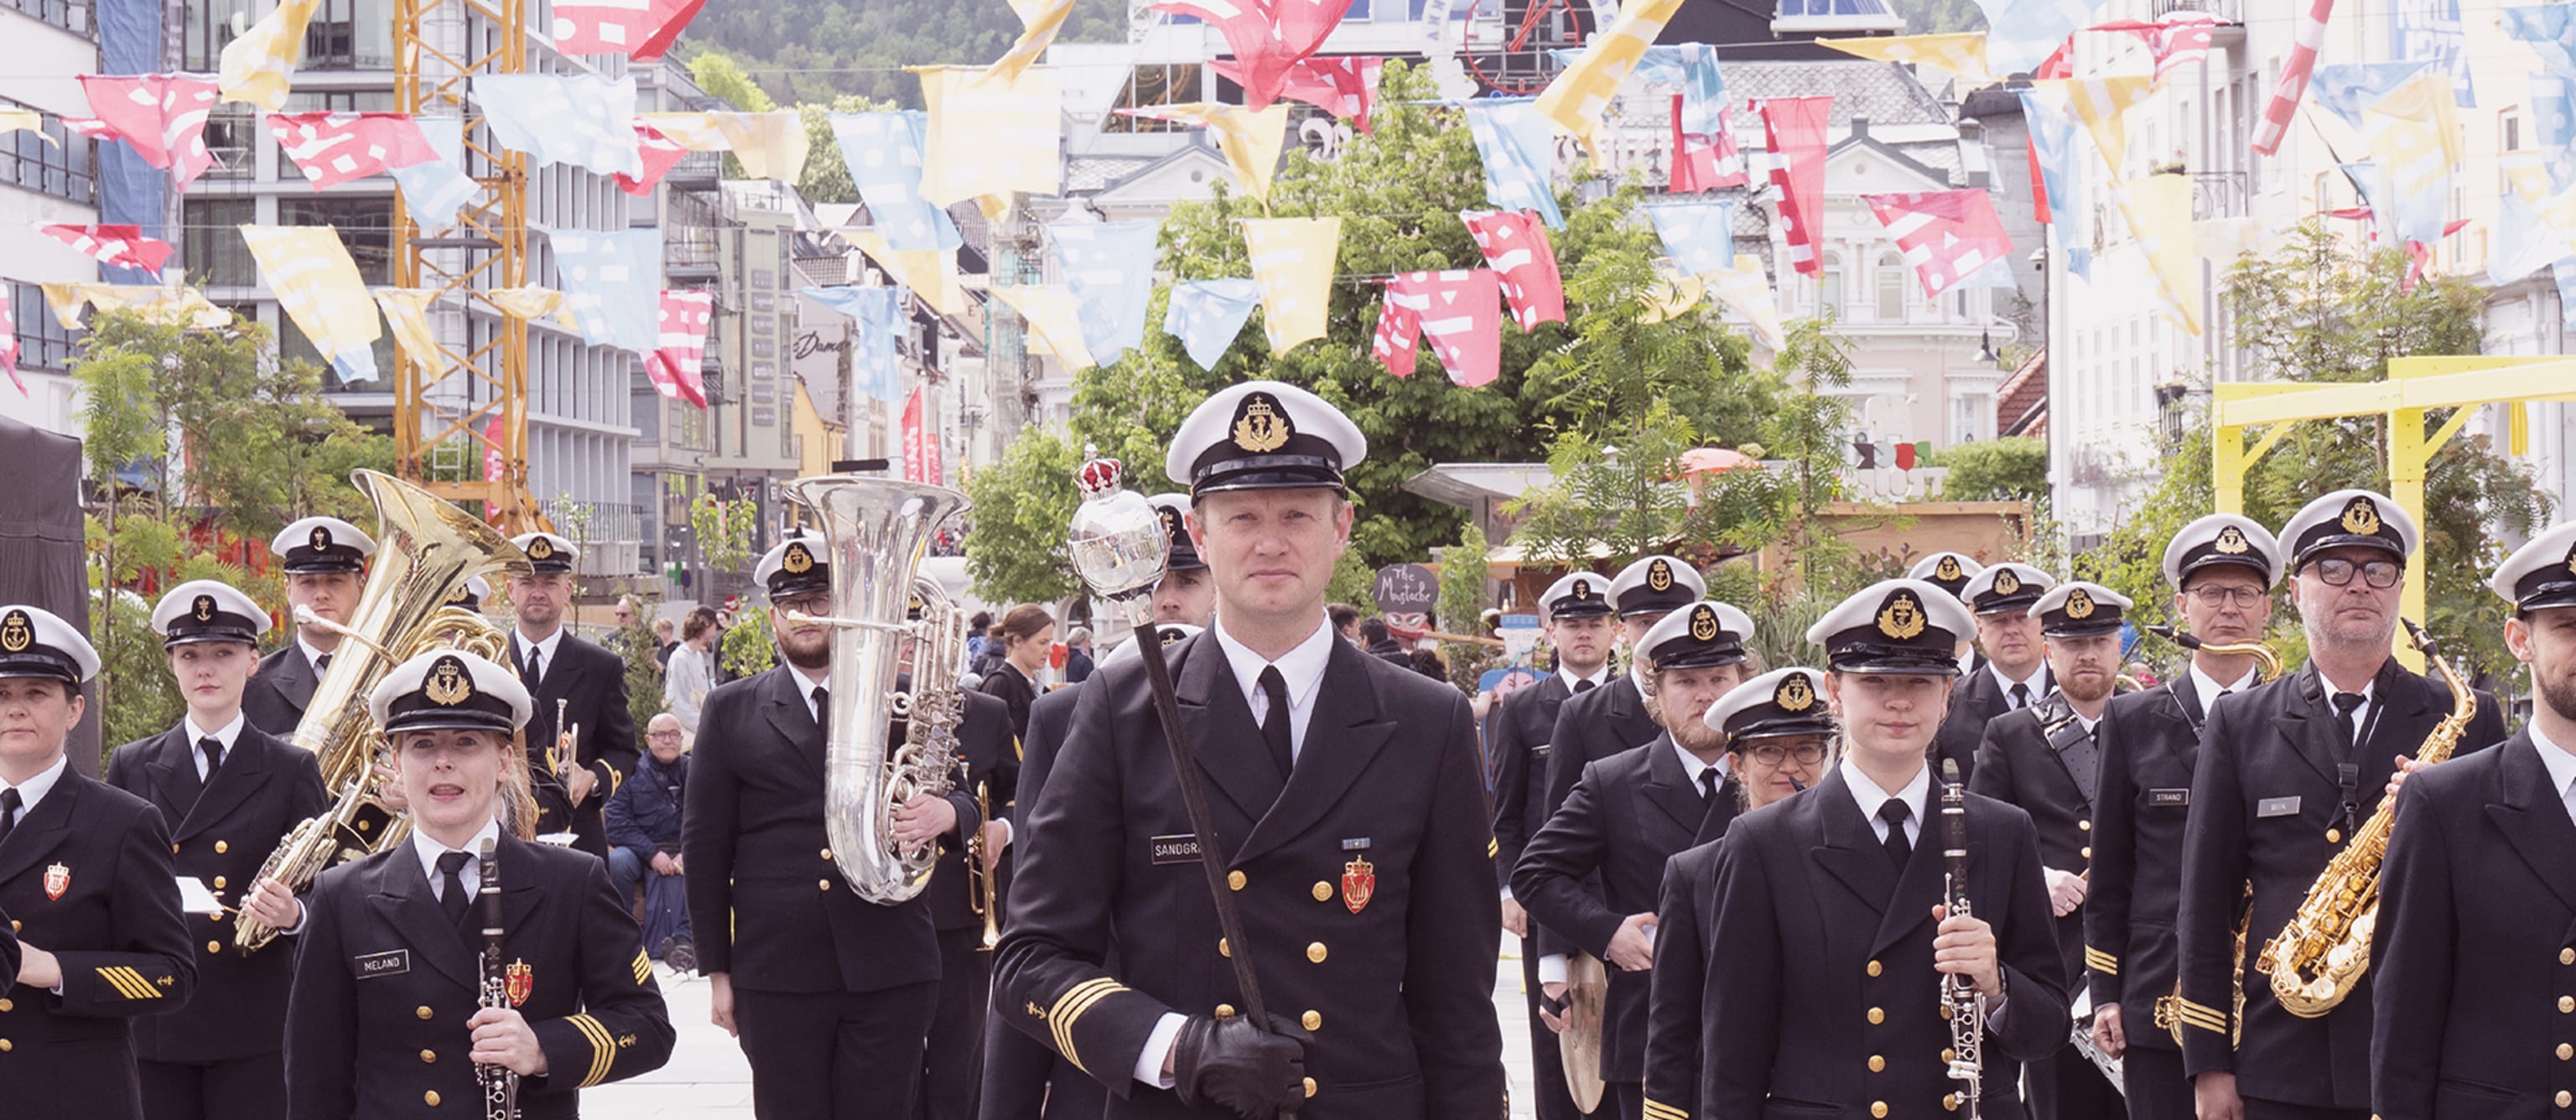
696	171
2218	194
691	253
2227	11
75	16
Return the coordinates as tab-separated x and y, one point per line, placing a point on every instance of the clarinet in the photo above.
1960	1003
500	1085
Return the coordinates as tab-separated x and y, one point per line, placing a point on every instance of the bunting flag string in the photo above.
1054	325
1039	22
583	120
884	153
1250	140
118	246
1207	315
1746	290
1575	98
677	366
878	314
1515	246
1292	260
2102	103
1343	85
658	154
2158	210
407	312
1795	130
172	303
26	120
1108	269
768	145
1705	154
527	301
318	286
259	67
1267	37
1460	311
1698	236
2024	36
989	136
335	148
2414	135
2295	71
161	116
642	30
1947	236
1961	55
2060	165
610	282
1519	156
930	273
2174	40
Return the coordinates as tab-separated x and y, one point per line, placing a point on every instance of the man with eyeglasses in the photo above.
2222	569
2047	759
1630	812
2288	771
643	819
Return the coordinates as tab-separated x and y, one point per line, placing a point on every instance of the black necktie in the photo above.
1899	849
1583	686
213	749
451	888
2020	695
9	802
322	664
823	712
1708	784
1274	726
536	668
2344	704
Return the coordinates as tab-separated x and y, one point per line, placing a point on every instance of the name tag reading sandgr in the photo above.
1183	848
2277	807
393	963
2168	798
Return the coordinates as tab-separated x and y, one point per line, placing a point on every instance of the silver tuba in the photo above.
874	532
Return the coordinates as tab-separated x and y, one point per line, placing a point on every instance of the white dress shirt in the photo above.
225	735
313	654
2561	766
2209	687
34	789
2036	683
1599	677
1692	766
544	650
2360	714
1870	797
1302	667
806	684
471	875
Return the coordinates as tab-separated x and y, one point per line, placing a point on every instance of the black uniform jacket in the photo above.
766	901
1363	883
275	699
1974	702
1518	738
1628	814
2019	764
1676	1048
224	830
2476	949
384	986
1016	692
86	876
592	683
1594	726
1821	996
991	753
2263	798
2149	740
1049	717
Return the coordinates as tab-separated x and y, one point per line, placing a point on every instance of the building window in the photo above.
350	35
1972	417
1829	285
293	346
1157	84
49	160
213	250
1891	288
75	16
43	344
231	130
366	226
212	26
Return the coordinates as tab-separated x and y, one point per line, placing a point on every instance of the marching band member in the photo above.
2047	759
2287	771
1779	736
85	878
1345	793
990	756
2015	673
1829	939
1951	571
2222	568
830	994
1628	814
326	567
1577	619
389	1017
589	681
230	792
2476	949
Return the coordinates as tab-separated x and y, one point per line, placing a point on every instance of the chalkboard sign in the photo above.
1406	589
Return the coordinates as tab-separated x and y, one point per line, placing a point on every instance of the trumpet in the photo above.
982	895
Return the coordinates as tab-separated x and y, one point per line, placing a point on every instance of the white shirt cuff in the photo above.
1158	1045
1010	835
1551	969
1507	894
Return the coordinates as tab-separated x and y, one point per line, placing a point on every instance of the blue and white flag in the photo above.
2563	270
1207	315
612	284
1690	66
884	151
2429	30
1108	268
1518	147
879	313
2346	89
2021	34
2551	31
2053	136
436	189
582	120
1698	236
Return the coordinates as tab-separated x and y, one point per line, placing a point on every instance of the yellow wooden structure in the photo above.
2413	386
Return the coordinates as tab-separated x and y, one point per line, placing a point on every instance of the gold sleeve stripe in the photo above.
143	983
2204	1017
603	1049
1657	1110
128	983
1076	1000
643	966
1492	847
2101	962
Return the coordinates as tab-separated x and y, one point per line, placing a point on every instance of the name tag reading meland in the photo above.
2277	807
394	963
1183	848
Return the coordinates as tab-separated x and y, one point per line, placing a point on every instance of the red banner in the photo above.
920	443
1795	127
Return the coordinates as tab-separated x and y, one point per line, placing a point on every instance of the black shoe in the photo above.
680	953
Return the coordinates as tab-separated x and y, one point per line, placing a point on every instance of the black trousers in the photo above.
2257	1108
1624	1100
1023	1079
2158	1088
845	1055
1548	1094
951	1069
252	1088
2068	1086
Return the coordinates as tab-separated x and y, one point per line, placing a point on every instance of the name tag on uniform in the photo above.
374	965
1540	750
1183	848
2163	798
2277	807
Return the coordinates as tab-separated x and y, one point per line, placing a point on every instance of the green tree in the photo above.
1995	470
1022	507
1461	606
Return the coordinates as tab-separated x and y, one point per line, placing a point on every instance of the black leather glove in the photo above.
1236	1065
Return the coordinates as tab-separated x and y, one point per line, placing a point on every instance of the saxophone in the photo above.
1960	1003
2318	958
500	1085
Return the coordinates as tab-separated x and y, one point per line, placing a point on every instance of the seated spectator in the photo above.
643	822
691	673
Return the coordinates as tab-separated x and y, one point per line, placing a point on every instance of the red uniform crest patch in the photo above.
58	879
517	981
1359	881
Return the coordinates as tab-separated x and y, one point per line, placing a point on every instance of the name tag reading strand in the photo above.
2166	798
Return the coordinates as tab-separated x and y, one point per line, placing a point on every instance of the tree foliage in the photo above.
1996	470
1461	607
802	52
1022	506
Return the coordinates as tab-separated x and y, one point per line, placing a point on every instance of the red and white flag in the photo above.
2294	77
1947	236
335	148
493	467
120	246
677	367
641	30
2175	41
1343	85
1459	310
9	338
162	116
920	445
2060	63
1795	130
660	154
1267	37
1704	161
1516	247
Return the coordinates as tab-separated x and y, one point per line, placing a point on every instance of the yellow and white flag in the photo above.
1575	99
1745	290
318	286
259	67
1039	21
407	309
178	303
2102	103
990	137
1292	261
1251	141
2158	210
930	273
26	120
527	301
1677	293
768	145
1053	321
1962	56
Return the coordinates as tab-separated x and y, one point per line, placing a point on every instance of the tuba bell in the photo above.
875	532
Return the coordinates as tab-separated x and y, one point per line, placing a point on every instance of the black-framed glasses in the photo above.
804	604
2337	572
1773	754
2212	595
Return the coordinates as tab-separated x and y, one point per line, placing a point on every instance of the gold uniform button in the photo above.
219	882
2564	1099
1310	1089
1949	1055
1950	1101
2564	1050
1323	892
1225	1011
1315	952
1234	880
2566	1004
2084	826
5	1046
2567	956
1877	1064
822	884
174	849
1878	1109
1222	949
6	1007
214	946
365	825
827	853
2087	853
430	1098
221	847
428	1056
1877	1016
1875	968
1313	1020
2334	836
423	1011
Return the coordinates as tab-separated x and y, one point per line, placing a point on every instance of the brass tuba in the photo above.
2322	953
426	550
875	531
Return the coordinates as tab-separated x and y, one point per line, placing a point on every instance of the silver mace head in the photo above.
1117	541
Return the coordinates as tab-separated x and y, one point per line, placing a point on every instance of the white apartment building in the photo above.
50	175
